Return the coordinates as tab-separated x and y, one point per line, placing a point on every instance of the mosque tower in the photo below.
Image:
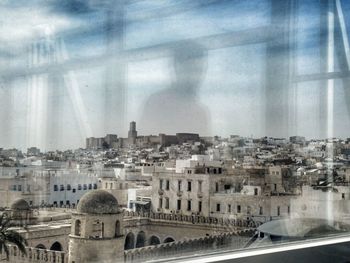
97	229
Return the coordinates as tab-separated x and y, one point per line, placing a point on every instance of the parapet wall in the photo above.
34	255
187	247
196	219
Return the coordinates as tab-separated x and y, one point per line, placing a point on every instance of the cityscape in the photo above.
143	131
173	194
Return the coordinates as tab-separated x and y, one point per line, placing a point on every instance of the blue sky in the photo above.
231	90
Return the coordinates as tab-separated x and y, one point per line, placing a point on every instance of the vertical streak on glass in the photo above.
76	98
54	90
342	49
277	85
330	68
31	97
115	90
343	32
330	103
37	93
293	123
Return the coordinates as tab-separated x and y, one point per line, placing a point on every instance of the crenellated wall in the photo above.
182	248
195	219
35	255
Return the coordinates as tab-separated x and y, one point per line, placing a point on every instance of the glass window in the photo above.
179	185
189	205
239	108
166	203
179	204
167	185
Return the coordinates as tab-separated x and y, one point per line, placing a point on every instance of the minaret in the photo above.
132	134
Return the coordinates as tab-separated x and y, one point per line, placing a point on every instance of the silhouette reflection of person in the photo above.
177	108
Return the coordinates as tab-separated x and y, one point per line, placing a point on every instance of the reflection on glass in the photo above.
140	130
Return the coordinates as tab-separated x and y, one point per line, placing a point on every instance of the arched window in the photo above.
117	229
168	240
77	228
154	240
56	246
40	246
129	241
141	239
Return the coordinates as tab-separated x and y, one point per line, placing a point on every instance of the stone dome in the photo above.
98	202
20	204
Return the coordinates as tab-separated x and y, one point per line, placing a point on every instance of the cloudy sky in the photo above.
60	108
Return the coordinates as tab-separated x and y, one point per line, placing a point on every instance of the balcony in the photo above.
160	191
179	193
200	194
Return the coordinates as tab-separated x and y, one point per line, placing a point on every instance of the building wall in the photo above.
47	235
315	203
161	193
258	207
79	183
96	250
47	187
274	179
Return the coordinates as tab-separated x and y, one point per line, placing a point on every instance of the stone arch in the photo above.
129	241
40	246
168	240
141	239
154	240
77	227
117	229
56	246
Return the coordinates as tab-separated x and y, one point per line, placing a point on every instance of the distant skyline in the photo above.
231	89
141	134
